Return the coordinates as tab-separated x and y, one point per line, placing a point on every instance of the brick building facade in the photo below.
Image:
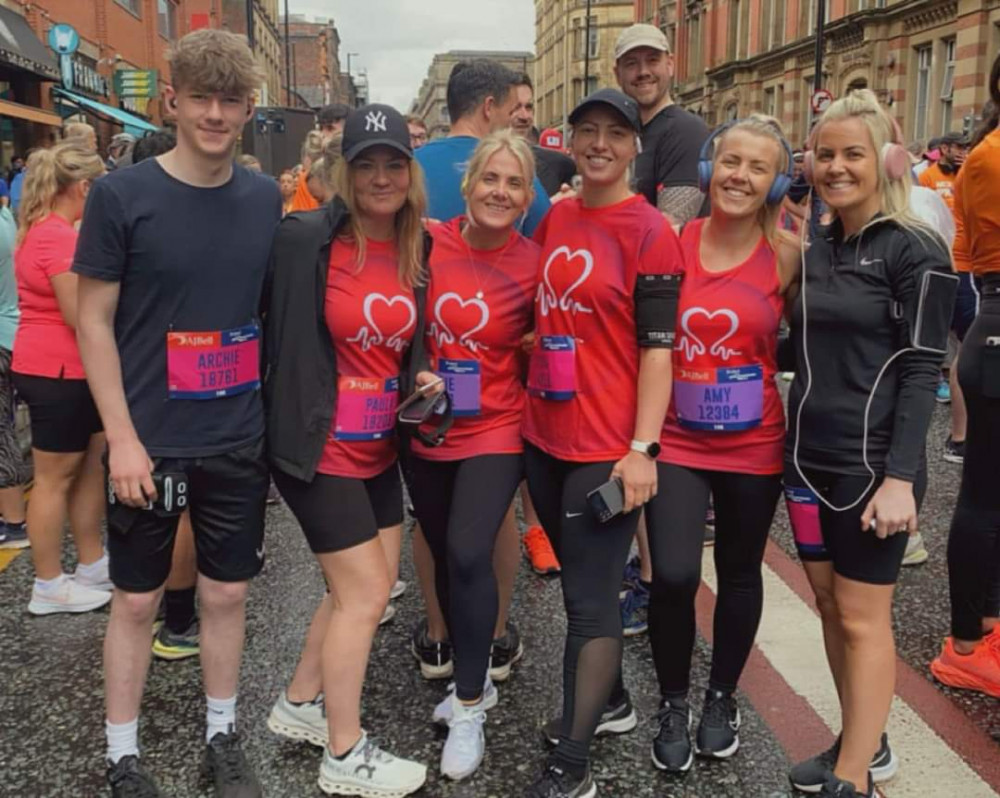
317	75
928	60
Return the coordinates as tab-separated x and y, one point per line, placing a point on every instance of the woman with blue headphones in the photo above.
724	433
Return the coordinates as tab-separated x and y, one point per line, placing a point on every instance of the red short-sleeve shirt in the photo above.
45	346
583	409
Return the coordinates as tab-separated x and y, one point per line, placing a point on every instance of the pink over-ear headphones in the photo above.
895	158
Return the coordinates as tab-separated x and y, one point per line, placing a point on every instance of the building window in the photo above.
735	17
694	47
135	6
948	85
592	36
924	56
769	102
773	24
166	11
732	112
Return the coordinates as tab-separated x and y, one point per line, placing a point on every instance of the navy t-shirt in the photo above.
444	162
189	260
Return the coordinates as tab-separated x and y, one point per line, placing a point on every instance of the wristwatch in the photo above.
651	450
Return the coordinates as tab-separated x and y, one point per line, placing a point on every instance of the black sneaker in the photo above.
954	451
504	653
672	745
556	783
434	657
618	719
838	788
128	779
227	766
719	728
810	776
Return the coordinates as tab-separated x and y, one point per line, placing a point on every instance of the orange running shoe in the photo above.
978	671
538	549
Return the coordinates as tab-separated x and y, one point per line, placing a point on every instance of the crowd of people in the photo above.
590	328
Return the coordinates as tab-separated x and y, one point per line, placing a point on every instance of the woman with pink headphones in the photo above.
869	331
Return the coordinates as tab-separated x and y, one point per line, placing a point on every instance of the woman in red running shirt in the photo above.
483	274
66	433
724	435
598	389
345	339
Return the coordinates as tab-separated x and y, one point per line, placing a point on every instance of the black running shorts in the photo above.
227	495
336	513
63	414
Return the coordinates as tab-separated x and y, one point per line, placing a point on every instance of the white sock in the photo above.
221	716
123	739
49	586
95	570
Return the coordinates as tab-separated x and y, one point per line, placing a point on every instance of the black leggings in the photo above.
460	505
675	520
974	540
592	556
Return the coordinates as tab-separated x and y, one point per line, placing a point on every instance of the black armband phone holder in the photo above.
656	299
928	326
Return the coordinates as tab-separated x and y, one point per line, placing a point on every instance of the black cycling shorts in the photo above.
823	535
337	513
966	304
63	414
227	494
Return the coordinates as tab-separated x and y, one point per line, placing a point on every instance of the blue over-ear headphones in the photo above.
782	182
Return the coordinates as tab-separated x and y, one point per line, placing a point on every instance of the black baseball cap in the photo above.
955	138
614	99
372	125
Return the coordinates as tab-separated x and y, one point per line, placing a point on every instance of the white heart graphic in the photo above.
547	298
376	336
691	345
442	332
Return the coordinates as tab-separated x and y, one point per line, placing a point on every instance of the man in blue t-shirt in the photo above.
481	98
172	257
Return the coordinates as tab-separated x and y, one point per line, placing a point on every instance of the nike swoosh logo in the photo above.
260	553
573	515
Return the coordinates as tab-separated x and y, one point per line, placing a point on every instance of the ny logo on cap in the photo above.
375	121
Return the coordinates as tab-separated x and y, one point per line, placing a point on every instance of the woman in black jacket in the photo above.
344	341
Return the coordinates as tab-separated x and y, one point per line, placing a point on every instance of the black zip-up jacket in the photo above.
862	296
300	376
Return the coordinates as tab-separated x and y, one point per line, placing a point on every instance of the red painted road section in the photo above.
961	734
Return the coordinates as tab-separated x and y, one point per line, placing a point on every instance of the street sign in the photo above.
821	100
64	39
135	83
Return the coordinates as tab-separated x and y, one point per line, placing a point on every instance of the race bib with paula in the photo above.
727	399
462	381
211	365
366	408
552	371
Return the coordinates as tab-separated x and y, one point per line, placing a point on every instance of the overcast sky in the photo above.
396	39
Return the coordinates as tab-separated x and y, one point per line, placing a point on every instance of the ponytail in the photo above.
49	173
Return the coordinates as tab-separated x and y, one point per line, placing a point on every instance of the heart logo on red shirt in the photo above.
382	315
691	345
569	269
462	318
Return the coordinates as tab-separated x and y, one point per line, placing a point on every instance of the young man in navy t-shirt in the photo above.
172	258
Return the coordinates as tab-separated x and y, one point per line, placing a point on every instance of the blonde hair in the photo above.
81	130
490	146
409	222
894	195
213	60
324	169
50	173
312	147
770	128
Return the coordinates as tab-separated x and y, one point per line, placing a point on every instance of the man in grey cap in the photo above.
667	168
120	151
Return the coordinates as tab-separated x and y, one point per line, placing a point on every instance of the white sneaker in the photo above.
442	712
466	743
388	615
68	596
370	772
305	722
99	581
398	589
916	552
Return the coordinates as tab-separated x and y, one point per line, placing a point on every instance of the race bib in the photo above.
462	381
552	371
366	408
211	365
719	399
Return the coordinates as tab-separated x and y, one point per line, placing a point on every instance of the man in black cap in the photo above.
667	168
331	119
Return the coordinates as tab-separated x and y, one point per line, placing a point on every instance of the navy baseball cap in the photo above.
614	99
374	125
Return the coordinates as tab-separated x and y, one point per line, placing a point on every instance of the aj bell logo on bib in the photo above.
375	122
